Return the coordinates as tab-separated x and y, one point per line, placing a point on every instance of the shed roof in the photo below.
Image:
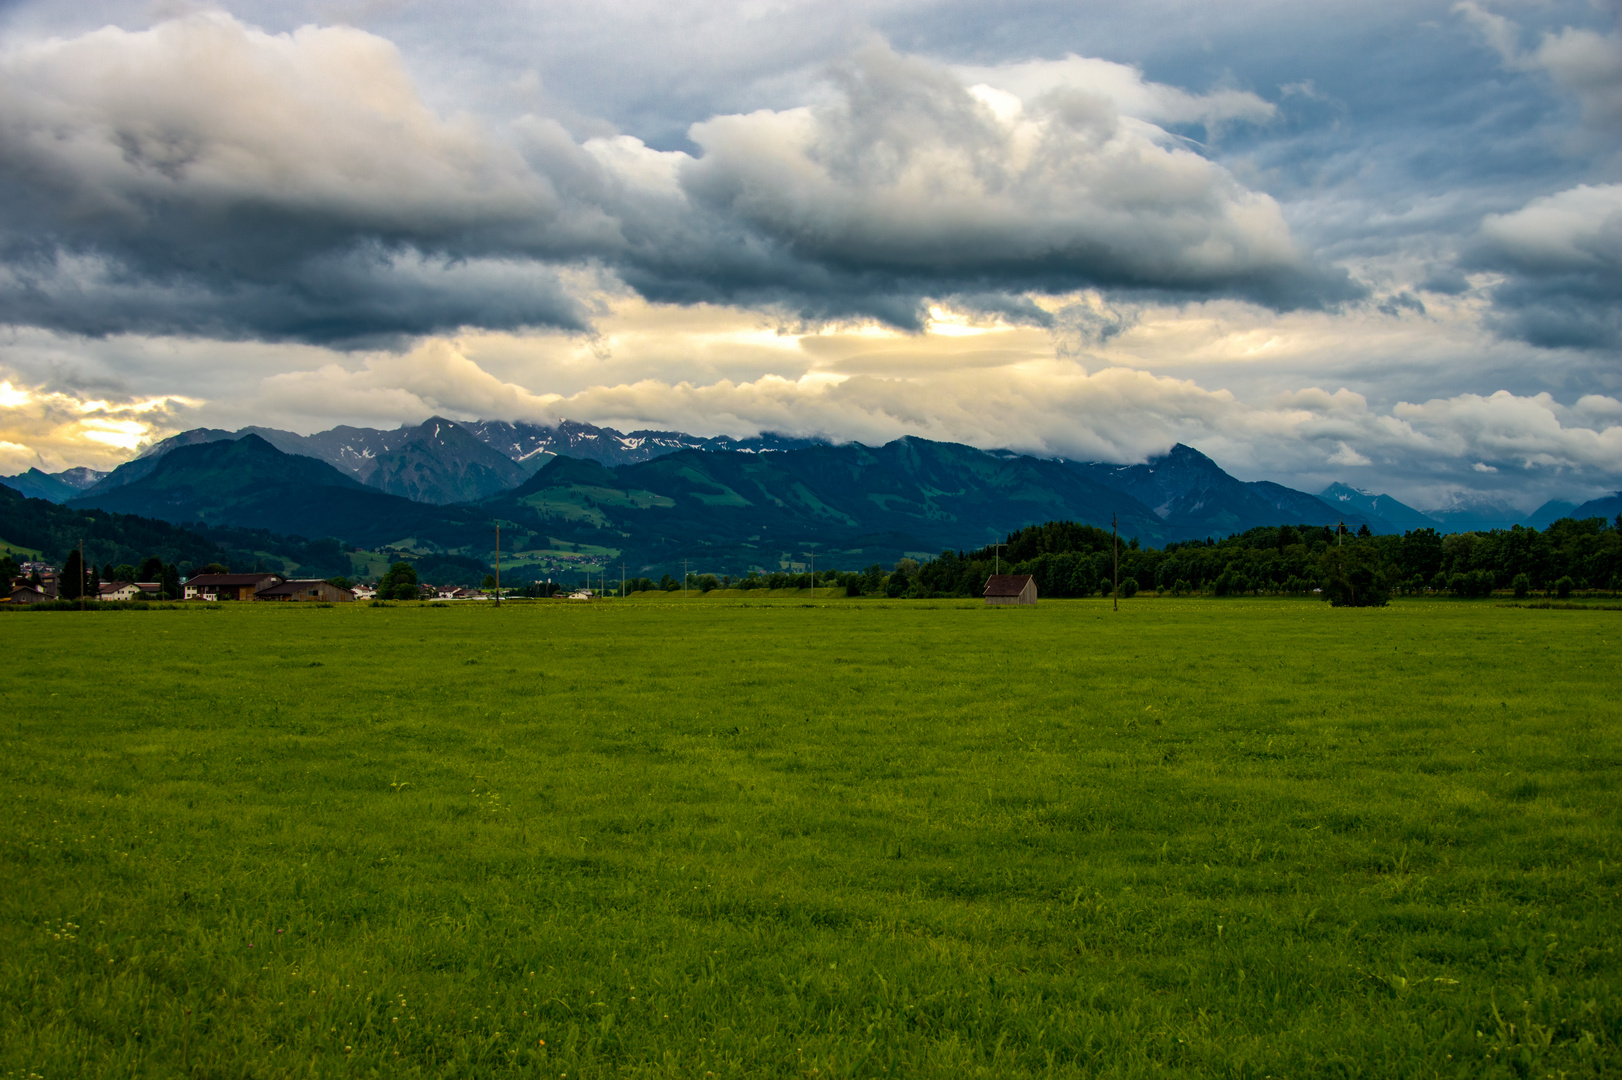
200	580
1006	584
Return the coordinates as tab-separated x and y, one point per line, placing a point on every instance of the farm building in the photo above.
27	594
323	591
121	590
1004	589
229	586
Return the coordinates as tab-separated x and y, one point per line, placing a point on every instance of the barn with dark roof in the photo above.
1007	589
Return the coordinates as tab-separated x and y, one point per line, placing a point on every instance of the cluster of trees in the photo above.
399	583
82	578
1068	559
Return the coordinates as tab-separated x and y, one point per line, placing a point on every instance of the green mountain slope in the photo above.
248	483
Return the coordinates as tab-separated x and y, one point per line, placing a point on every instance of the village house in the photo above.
1005	589
23	593
306	591
364	592
228	586
121	590
47	577
458	592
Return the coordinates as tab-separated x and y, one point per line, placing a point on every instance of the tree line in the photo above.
1070	559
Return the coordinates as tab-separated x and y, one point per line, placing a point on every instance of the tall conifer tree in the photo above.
71	584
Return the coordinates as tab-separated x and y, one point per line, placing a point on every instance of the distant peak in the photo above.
1183	455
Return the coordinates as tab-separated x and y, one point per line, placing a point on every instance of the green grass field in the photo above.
820	839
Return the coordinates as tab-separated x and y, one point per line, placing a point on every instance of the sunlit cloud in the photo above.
53	430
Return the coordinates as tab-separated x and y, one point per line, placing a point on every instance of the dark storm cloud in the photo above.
1562	261
216	179
1560	254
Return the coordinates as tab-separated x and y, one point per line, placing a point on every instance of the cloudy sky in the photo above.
1375	242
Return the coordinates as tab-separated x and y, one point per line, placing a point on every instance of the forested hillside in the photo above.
111	539
108	538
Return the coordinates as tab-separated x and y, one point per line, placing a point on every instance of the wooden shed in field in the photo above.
1004	589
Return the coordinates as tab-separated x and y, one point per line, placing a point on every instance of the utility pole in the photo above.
684	579
498	564
1115	542
996	558
813	557
622	581
1340	534
83	577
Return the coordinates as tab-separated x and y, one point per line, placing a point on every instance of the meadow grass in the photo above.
822	839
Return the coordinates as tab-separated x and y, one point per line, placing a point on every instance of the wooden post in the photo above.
1115	542
498	564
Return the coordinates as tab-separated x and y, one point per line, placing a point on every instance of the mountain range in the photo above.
53	487
724	509
575	493
439	461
